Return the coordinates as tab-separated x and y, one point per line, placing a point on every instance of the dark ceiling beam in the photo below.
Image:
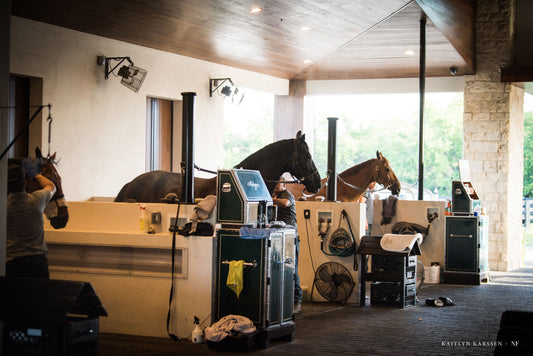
510	75
455	19
519	70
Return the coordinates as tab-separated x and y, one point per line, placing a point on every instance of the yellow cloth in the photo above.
235	279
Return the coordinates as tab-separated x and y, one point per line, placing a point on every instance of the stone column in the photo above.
493	133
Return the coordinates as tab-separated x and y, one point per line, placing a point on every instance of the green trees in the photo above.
361	131
367	123
370	123
247	127
528	155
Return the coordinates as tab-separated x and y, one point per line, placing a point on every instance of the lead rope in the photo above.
175	229
49	119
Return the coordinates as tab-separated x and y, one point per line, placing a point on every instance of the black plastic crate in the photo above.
392	294
393	269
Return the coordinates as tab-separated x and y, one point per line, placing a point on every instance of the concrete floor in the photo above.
468	328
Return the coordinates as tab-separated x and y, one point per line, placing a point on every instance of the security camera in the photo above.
453	70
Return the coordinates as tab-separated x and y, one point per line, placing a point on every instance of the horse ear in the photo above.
379	155
38	153
298	134
53	157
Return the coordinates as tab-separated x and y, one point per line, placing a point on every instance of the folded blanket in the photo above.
400	243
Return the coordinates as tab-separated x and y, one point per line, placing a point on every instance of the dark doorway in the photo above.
19	115
159	134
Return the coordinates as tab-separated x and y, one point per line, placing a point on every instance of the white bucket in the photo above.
432	274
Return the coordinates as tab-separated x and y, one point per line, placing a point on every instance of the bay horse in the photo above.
290	155
57	210
352	182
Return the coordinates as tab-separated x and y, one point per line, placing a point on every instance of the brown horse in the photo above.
291	155
352	182
56	211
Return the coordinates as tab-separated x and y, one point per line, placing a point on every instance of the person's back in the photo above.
26	251
286	204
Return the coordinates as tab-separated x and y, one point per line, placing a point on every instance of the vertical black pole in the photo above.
187	148
422	89
332	156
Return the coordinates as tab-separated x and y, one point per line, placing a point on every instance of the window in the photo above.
248	126
159	130
389	123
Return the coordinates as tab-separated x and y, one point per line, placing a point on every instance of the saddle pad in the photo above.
400	243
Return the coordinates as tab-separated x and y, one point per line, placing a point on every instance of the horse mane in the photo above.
264	152
354	169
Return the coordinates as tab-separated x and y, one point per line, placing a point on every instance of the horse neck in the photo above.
360	175
269	160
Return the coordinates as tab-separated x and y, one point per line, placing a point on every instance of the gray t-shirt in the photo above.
369	206
25	232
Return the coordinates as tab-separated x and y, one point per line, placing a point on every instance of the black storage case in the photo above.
49	317
393	294
267	298
466	250
393	274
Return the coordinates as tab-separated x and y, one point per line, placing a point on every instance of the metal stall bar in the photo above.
331	194
422	89
187	148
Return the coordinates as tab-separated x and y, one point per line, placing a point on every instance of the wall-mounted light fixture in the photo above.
132	76
225	87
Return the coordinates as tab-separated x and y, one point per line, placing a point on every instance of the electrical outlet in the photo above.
307	214
325	216
432	214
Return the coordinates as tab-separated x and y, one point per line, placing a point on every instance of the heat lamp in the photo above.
132	76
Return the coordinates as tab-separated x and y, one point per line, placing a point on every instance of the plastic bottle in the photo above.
197	334
143	219
448	209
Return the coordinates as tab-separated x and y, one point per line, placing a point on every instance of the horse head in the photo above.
56	211
300	164
385	176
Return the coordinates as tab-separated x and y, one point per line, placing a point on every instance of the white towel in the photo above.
205	207
227	324
400	243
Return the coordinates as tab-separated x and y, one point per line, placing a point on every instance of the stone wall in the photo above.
493	133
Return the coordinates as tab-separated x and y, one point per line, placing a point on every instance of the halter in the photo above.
59	191
294	165
361	189
385	187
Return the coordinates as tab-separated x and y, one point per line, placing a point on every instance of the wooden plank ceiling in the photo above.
346	39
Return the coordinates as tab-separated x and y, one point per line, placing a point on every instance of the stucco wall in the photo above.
99	125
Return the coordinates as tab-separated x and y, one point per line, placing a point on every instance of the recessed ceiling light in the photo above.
306	61
409	52
305	28
256	10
